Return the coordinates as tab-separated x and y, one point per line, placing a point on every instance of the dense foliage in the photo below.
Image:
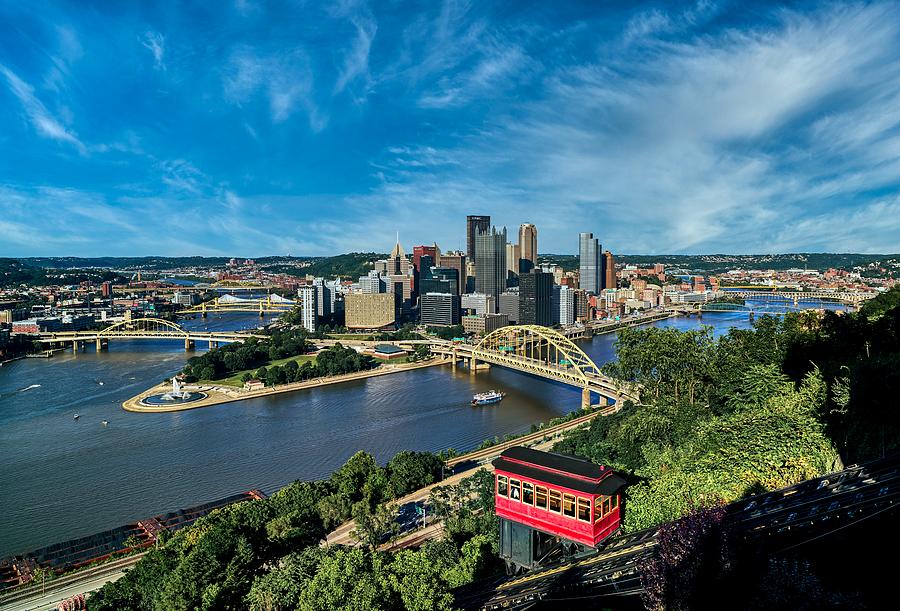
265	554
332	361
447	332
692	564
239	356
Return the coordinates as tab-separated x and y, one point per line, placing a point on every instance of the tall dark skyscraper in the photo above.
490	263
475	224
590	267
535	297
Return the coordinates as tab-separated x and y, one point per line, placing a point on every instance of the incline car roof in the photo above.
559	469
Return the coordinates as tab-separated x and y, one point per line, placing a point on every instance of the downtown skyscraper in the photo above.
490	263
528	243
474	225
590	265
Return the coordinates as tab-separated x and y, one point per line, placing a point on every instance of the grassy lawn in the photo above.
235	380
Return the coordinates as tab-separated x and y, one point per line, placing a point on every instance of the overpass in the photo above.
143	329
540	351
270	304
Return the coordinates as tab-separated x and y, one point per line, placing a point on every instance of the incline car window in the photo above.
528	493
555	502
569	505
584	509
502	485
514	492
540	497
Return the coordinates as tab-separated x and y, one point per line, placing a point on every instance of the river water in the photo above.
63	478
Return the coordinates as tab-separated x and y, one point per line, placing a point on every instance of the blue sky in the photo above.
307	128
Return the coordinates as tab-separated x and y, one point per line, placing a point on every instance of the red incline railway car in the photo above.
546	500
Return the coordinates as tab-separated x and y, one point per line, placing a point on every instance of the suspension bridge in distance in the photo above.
143	329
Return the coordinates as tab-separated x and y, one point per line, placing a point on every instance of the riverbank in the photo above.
217	395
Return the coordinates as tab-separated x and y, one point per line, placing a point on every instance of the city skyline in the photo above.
691	129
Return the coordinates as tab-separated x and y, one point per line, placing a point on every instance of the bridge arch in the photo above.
537	343
143	325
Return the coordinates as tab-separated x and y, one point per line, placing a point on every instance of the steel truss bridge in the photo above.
543	352
777	520
262	306
848	297
144	328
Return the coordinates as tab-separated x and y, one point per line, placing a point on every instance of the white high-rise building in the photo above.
308	309
566	312
374	282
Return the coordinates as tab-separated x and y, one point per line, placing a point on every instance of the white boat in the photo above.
487	398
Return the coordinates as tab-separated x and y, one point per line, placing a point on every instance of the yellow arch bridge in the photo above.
143	328
262	306
543	352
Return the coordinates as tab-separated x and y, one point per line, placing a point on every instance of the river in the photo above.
63	478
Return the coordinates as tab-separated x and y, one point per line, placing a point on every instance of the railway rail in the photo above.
785	519
26	592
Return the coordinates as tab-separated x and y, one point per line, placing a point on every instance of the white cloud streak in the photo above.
155	42
44	123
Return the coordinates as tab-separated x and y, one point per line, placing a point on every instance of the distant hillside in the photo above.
14	272
149	263
351	265
721	263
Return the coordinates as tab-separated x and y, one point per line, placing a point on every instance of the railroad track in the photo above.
23	593
817	507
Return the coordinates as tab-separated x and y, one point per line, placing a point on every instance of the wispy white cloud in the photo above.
696	147
356	57
155	42
285	78
46	124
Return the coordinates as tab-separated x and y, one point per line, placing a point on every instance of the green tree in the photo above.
408	471
374	526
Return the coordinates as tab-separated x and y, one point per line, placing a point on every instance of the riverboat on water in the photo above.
487	398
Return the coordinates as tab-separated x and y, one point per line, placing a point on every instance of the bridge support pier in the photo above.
473	366
585	398
213	344
188	344
102	344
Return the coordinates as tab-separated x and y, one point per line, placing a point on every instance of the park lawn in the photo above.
235	379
